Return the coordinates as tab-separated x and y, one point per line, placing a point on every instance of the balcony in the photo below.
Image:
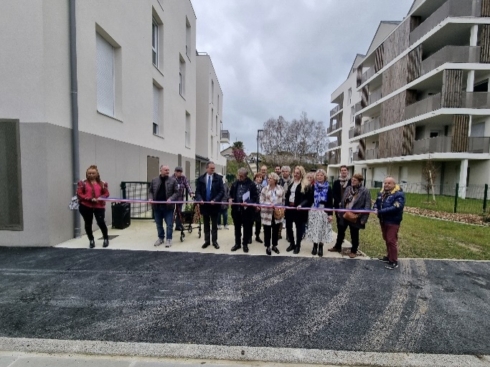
358	107
369	126
334	127
225	137
454	54
478	100
375	96
353	132
334	159
451	8
424	106
335	110
442	144
367	75
369	155
333	144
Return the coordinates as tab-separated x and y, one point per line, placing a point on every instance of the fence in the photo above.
137	191
472	199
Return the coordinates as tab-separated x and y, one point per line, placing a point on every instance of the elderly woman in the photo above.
272	195
356	197
319	221
298	195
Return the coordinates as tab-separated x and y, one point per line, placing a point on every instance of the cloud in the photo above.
282	57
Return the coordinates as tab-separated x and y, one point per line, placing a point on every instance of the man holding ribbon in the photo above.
210	189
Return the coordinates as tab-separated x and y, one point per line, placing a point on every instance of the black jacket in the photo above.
337	193
305	199
217	192
254	197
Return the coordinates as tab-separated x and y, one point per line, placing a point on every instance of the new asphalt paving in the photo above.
433	307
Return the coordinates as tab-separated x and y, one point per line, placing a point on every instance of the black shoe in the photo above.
384	259
296	250
250	241
268	251
392	265
216	246
257	239
236	247
315	249
206	244
106	242
320	250
92	243
290	248
245	248
274	248
179	228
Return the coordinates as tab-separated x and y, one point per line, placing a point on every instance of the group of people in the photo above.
298	200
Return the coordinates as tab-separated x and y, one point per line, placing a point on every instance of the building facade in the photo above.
424	98
137	104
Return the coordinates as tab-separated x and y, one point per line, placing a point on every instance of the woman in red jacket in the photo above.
89	191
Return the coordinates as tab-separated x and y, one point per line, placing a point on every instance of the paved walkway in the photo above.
142	234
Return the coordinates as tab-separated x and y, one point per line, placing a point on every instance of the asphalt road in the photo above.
424	306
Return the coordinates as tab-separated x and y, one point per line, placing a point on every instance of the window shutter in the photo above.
105	76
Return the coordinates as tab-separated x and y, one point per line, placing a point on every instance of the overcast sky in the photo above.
282	57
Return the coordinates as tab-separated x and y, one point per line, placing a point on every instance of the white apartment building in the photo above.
210	134
132	76
422	94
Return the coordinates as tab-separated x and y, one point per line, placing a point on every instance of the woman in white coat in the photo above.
272	195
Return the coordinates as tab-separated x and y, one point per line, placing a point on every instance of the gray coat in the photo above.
362	201
171	187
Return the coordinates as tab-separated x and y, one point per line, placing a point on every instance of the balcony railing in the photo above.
375	96
334	159
225	136
442	144
479	100
334	127
353	132
371	154
370	126
333	144
451	8
426	105
357	107
455	54
368	74
335	110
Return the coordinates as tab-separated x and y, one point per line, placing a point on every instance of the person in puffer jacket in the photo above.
389	208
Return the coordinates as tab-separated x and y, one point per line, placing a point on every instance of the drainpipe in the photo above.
74	108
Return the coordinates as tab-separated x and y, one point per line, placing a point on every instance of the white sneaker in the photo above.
169	243
158	242
226	227
220	226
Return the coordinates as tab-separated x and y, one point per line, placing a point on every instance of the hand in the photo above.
169	200
299	206
329	219
212	202
94	200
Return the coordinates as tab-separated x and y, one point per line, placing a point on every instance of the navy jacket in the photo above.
217	193
254	197
390	210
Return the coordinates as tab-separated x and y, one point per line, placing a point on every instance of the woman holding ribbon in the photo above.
272	217
89	191
356	197
319	221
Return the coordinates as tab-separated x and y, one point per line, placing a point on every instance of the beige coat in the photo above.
266	198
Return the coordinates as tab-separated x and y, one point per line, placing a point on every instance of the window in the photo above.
188	38
154	42
182	77
11	217
187	130
105	76
352	114
434	134
351	156
157	109
212	114
350	95
212	147
212	91
217	130
218	105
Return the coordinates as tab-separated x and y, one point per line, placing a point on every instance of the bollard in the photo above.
485	197
456	198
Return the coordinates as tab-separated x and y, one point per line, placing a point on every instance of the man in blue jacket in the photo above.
209	188
389	206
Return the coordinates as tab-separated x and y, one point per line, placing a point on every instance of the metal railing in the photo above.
137	191
455	54
375	96
368	74
479	100
371	154
225	135
333	144
369	126
440	144
479	144
336	109
426	105
451	8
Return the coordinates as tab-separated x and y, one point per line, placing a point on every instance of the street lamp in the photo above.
259	136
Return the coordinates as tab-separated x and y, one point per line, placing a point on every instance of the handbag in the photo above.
278	213
74	205
351	217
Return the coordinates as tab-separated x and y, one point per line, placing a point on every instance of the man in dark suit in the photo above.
209	187
339	187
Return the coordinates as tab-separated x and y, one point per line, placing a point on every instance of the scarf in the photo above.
353	191
320	193
344	181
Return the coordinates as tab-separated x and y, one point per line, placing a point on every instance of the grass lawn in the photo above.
421	237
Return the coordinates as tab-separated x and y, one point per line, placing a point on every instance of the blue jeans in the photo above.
224	213
163	213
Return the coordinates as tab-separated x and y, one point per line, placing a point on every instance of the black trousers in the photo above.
210	226
293	216
273	230
88	215
354	235
243	218
258	223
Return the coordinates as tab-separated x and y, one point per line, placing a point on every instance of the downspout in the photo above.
74	108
